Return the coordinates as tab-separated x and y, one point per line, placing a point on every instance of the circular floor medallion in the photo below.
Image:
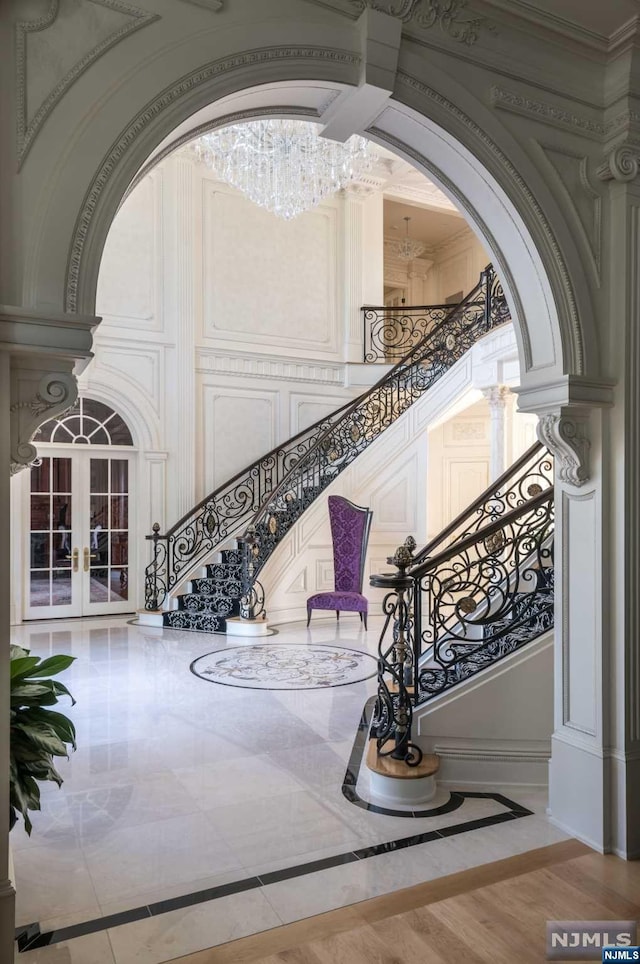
268	666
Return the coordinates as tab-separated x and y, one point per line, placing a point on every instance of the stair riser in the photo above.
195	622
220	571
215	587
217	605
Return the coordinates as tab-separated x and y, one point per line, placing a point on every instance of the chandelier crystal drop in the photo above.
408	249
283	165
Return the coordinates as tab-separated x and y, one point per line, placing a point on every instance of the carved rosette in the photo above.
566	438
55	393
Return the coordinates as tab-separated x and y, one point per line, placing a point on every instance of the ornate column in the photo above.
39	355
621	173
498	398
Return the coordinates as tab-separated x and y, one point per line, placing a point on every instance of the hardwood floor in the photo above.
494	914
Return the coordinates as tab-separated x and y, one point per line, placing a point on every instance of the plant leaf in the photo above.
53	665
23	665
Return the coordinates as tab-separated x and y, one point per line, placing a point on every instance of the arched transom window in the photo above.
87	423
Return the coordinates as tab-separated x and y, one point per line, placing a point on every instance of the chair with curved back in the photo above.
350	527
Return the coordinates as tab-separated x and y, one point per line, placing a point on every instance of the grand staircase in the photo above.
198	579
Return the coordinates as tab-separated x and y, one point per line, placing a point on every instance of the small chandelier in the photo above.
283	165
407	249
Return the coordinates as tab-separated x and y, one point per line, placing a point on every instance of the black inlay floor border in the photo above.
30	936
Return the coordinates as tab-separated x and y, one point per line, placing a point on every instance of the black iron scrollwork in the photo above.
391	333
274	491
392	719
486	596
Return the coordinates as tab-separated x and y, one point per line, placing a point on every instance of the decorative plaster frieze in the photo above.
622	122
566	438
27	129
430	13
576	362
267	366
546	113
134	130
622	164
39	398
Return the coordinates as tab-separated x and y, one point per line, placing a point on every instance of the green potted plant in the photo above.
38	733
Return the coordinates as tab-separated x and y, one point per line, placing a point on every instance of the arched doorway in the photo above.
78	553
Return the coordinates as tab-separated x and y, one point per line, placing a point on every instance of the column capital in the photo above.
565	434
497	395
37	394
621	164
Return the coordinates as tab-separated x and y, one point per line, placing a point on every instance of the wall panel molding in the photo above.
233	363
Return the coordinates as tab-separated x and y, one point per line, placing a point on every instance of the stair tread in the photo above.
388	767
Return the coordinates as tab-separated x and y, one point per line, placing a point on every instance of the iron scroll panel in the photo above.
390	334
485	597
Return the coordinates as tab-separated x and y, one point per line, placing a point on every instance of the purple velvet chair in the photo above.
350	526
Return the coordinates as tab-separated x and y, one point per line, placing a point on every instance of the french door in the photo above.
78	552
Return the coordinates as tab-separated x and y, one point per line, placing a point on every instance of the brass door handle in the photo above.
75	556
87	556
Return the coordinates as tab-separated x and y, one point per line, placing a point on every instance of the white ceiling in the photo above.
431	227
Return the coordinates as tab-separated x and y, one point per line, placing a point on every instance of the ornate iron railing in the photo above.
527	477
273	492
487	591
224	513
373	412
390	333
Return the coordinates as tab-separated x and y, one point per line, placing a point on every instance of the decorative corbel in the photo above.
565	435
54	393
622	164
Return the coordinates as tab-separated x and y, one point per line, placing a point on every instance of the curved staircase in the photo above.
187	588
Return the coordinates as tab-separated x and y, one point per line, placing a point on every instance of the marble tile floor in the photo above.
180	785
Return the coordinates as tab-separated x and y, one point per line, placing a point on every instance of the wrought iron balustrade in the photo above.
224	513
274	491
484	597
390	333
478	592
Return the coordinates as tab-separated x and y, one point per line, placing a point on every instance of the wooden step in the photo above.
386	766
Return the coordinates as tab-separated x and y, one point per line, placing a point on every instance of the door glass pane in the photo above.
40	476
119	512
119	584
40	589
119	548
40	550
99	475
61	475
61	587
50	536
99	588
40	514
119	475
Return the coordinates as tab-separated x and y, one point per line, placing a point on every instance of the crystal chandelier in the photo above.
283	165
407	249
